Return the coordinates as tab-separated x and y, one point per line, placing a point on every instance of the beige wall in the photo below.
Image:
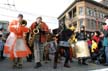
84	16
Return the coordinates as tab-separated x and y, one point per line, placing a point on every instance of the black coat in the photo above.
81	36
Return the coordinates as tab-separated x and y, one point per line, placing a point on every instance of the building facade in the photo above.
104	2
84	12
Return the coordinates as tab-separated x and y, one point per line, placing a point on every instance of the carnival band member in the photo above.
15	47
72	40
64	44
82	51
39	31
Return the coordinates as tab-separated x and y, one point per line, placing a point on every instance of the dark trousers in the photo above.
1	54
30	57
57	55
82	60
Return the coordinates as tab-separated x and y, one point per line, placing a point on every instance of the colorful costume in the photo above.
39	41
72	41
15	46
82	50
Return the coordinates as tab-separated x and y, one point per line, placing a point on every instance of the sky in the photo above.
48	9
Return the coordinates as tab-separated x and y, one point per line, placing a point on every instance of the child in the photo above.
94	49
89	41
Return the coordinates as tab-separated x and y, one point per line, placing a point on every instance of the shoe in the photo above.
20	66
46	62
14	66
55	66
29	60
105	64
38	65
79	62
84	63
66	65
49	59
71	61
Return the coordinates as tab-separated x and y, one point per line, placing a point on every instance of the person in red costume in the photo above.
15	47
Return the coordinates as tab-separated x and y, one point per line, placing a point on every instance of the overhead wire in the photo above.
15	10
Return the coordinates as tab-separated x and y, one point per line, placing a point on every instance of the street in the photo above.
6	65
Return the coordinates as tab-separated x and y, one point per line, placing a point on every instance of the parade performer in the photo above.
15	47
63	37
39	31
82	51
72	41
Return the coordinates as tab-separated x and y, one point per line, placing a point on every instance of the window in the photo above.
81	10
81	22
101	16
97	15
70	14
94	24
1	25
89	12
89	24
93	12
74	12
100	25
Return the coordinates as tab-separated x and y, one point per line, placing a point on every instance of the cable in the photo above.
25	12
14	5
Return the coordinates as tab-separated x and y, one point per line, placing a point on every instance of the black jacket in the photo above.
81	36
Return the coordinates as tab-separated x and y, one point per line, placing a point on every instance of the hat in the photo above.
103	23
20	15
106	16
39	17
82	27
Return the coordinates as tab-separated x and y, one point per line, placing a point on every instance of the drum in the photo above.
64	44
81	49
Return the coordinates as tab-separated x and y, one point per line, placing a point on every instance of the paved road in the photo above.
6	65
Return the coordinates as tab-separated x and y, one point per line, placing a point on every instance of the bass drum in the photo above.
81	49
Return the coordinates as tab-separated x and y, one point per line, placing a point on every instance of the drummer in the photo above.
81	37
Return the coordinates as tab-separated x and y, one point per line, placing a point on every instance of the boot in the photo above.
20	66
67	65
55	66
79	61
38	65
14	65
84	62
